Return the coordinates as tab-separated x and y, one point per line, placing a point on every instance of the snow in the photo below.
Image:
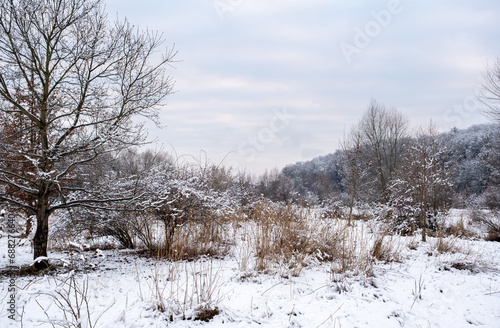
40	259
426	288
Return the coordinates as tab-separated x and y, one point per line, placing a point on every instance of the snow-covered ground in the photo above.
123	289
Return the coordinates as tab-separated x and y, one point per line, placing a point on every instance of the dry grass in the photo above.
286	238
182	290
413	242
196	239
460	254
459	229
443	245
281	237
386	248
72	298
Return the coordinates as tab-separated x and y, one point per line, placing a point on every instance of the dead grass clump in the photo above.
196	239
281	236
340	281
329	240
385	248
353	255
413	243
459	229
288	238
445	245
206	314
472	267
284	239
493	236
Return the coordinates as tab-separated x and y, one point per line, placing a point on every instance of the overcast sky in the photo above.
270	83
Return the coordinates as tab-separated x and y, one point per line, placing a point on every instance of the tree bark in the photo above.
41	235
170	225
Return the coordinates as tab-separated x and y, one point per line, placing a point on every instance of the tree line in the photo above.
467	158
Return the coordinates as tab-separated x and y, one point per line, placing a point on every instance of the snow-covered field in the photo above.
119	288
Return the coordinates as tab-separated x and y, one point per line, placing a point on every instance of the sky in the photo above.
261	84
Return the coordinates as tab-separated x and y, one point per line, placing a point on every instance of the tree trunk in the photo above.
423	224
423	218
170	224
351	205
424	211
41	235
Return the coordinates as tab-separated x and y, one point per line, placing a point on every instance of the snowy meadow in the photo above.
399	227
278	266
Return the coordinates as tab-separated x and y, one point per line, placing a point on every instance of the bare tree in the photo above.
490	93
355	166
383	133
76	81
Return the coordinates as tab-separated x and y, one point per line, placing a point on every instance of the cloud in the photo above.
264	56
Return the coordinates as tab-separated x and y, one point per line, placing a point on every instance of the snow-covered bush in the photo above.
179	199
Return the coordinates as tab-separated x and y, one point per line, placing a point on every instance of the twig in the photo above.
271	288
331	315
492	293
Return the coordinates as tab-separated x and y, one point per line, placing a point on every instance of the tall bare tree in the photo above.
86	78
383	133
355	166
490	92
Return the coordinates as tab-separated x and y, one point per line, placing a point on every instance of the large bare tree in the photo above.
355	166
490	91
76	81
383	132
